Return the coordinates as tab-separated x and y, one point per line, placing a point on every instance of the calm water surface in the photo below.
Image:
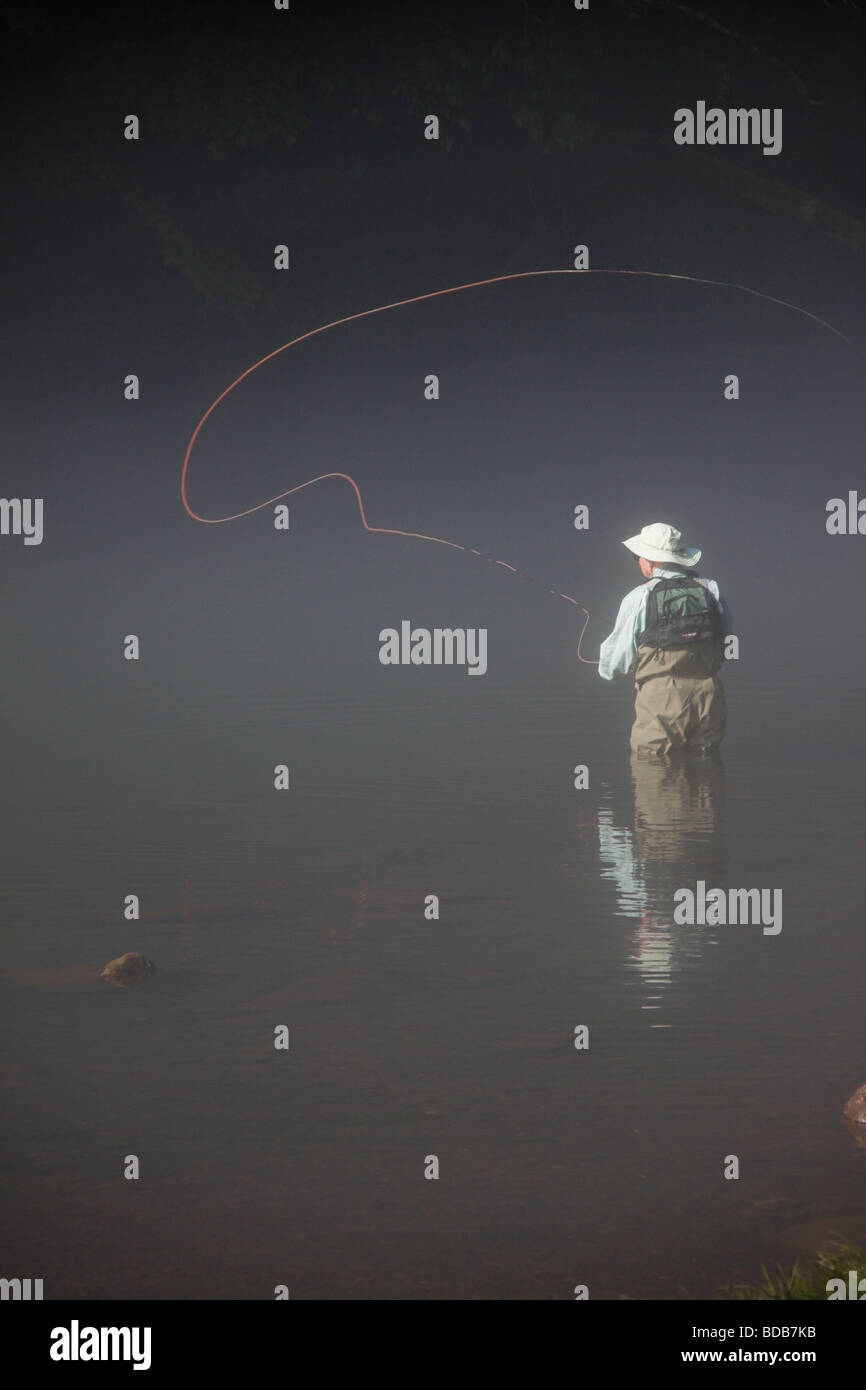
412	1037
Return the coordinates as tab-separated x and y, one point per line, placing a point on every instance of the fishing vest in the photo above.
684	630
680	609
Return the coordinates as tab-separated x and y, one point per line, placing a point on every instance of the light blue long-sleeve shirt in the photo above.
618	652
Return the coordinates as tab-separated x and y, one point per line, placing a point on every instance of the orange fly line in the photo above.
417	299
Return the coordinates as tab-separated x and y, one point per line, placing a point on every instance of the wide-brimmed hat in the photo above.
664	545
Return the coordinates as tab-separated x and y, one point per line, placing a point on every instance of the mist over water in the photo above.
411	1037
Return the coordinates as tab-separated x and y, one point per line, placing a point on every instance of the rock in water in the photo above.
855	1108
127	970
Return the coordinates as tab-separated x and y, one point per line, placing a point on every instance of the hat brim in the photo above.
688	557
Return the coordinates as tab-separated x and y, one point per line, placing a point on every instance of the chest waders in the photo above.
680	701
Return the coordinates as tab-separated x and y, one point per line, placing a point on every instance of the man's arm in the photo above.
727	620
618	652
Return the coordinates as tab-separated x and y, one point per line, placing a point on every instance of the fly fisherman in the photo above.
670	633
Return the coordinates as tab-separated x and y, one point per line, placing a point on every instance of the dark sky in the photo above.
306	127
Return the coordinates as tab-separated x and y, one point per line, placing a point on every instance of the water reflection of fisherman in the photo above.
678	836
670	633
